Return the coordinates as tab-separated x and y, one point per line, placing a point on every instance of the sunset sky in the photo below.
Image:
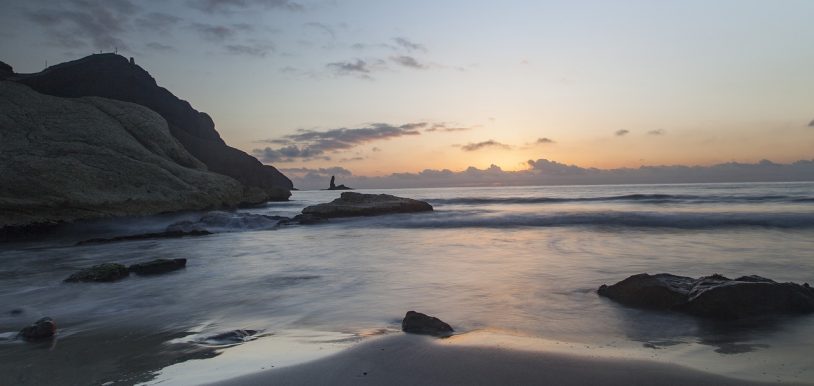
377	87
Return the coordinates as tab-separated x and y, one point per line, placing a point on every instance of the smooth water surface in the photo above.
521	259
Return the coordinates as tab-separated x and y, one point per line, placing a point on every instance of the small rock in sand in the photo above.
42	329
418	323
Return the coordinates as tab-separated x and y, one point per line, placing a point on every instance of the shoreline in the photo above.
477	358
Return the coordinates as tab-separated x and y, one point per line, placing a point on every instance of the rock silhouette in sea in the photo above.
67	159
113	76
42	329
418	323
230	337
351	204
333	185
107	272
227	221
713	296
158	266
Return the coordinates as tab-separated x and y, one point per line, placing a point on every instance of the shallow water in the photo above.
520	259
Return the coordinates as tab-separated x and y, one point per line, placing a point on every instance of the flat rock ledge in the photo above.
352	204
418	323
107	272
713	296
157	266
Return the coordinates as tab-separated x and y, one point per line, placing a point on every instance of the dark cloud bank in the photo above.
545	172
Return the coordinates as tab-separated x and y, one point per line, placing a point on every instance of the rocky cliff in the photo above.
63	159
113	76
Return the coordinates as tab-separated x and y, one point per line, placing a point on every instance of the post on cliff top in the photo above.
132	61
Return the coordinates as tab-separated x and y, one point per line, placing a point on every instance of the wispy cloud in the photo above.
155	46
79	23
544	140
656	132
358	67
408	61
409	45
621	133
312	144
231	6
322	28
485	144
442	127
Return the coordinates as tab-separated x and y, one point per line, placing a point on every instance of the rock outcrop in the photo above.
65	159
334	186
352	204
6	71
220	221
712	296
113	76
106	272
418	323
157	266
44	328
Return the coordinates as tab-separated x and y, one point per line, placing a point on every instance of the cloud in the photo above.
358	67
352	159
310	144
322	28
289	153
231	6
656	132
544	140
811	124
155	46
214	33
158	21
254	49
445	128
408	45
80	23
484	144
408	61
548	172
621	133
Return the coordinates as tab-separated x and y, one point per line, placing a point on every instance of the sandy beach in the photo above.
404	359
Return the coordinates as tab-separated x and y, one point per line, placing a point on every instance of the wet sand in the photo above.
404	359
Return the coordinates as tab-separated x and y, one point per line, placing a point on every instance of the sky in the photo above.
375	90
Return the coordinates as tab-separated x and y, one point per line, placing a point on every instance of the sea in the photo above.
518	261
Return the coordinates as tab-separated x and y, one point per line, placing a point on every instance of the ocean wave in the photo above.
636	198
619	219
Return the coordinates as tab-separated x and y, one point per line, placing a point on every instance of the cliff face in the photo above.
64	159
112	76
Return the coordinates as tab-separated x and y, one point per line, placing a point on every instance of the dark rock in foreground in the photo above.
100	273
158	266
712	296
170	234
418	323
42	329
352	204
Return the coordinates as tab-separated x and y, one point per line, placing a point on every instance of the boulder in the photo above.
357	204
221	221
115	77
157	266
713	296
42	329
418	323
66	159
107	272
